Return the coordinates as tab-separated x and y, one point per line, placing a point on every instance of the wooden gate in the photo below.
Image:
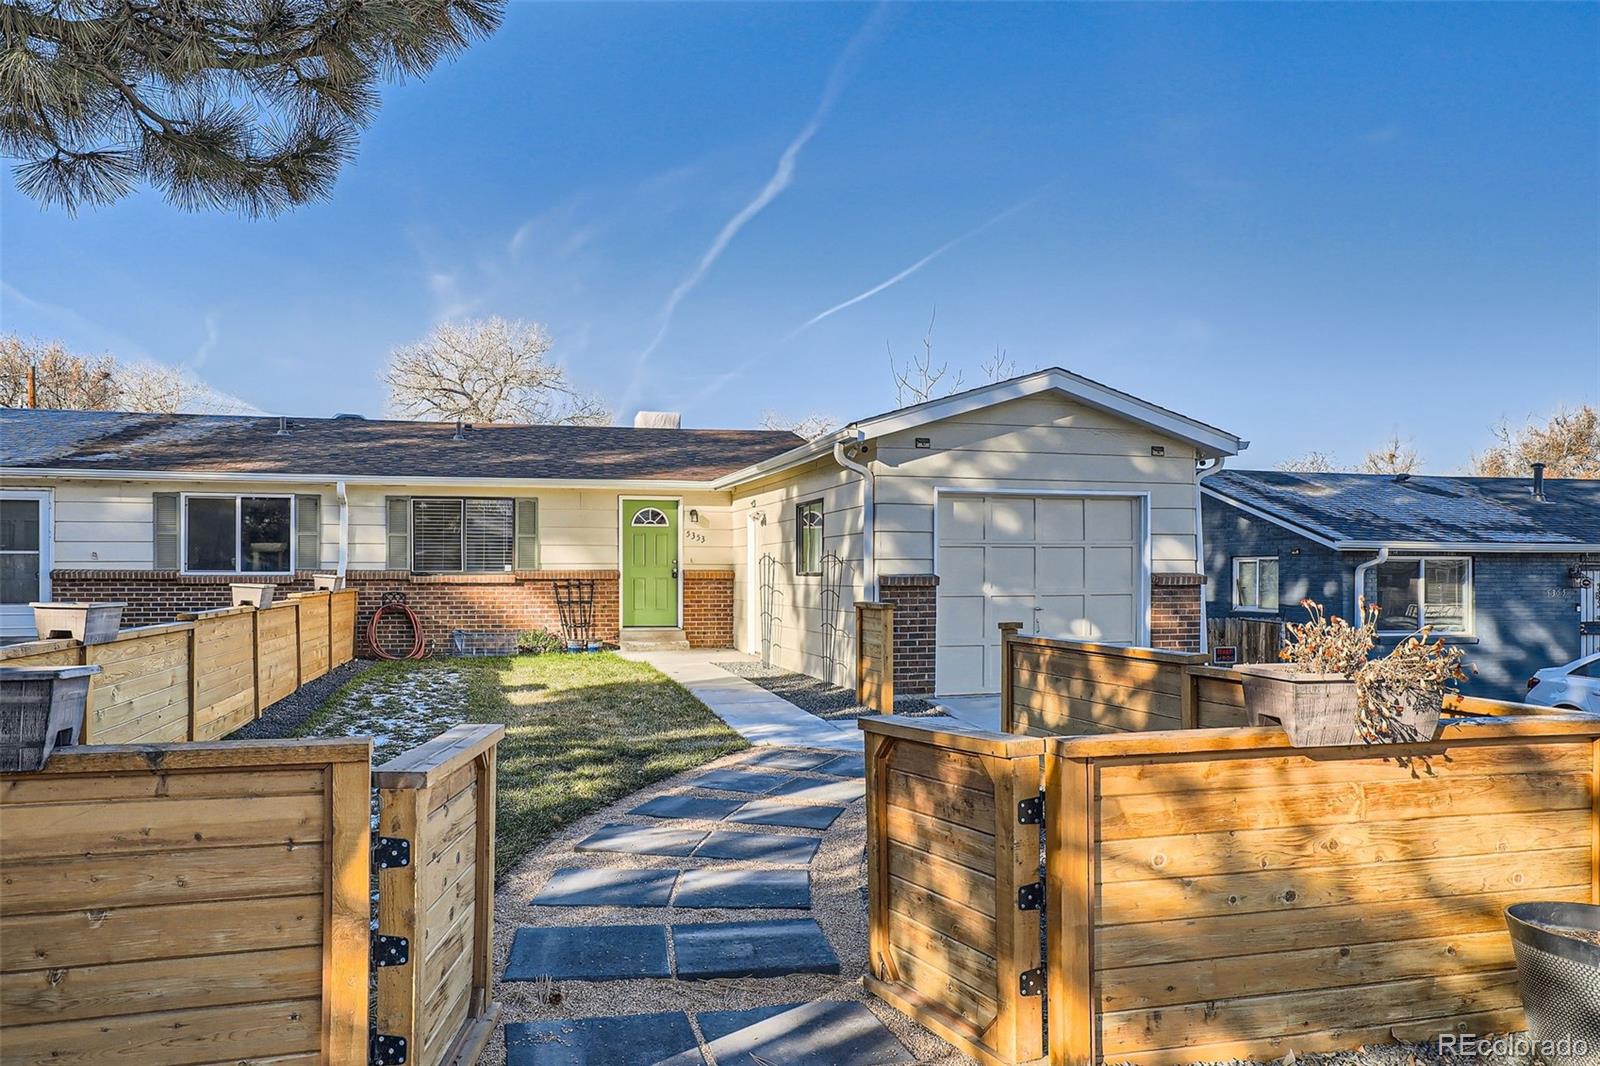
953	872
187	903
434	945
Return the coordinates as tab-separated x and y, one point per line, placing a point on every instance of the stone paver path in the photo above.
731	869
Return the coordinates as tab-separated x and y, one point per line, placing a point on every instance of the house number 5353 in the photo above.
694	538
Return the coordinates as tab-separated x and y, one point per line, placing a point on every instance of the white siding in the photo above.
108	525
799	624
1041	443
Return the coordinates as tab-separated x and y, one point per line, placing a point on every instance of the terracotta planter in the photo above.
327	582
252	595
41	709
87	623
1319	710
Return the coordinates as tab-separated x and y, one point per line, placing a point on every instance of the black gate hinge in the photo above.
1031	982
1031	897
390	950
386	1050
1031	810
392	852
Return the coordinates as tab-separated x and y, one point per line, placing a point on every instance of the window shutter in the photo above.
398	510
527	534
308	532
165	531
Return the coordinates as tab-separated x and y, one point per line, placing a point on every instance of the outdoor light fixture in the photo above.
694	516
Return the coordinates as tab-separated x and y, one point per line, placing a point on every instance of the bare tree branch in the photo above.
492	370
1568	443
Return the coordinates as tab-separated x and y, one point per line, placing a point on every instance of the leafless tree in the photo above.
1312	462
998	367
170	389
1568	443
62	379
490	370
1393	456
67	381
921	378
810	427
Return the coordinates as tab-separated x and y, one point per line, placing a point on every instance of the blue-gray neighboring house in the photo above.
1507	567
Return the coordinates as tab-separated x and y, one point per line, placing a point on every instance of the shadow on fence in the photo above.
195	902
205	675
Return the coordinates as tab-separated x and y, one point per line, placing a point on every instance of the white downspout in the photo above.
1361	583
1206	467
869	562
344	529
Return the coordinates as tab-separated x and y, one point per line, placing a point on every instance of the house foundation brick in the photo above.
510	602
915	600
708	608
1175	613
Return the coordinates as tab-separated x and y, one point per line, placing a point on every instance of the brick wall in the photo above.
915	626
482	602
1175	611
708	608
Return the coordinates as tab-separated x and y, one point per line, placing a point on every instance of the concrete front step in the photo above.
653	640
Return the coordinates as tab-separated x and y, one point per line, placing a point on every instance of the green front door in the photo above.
649	563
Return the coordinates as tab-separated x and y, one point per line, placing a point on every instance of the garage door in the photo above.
1063	566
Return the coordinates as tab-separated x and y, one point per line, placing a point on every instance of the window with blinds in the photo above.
462	535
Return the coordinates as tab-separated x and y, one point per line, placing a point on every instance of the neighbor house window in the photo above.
238	534
1413	593
462	535
1255	583
808	538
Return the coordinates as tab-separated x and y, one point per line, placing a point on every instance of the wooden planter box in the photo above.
87	623
41	708
246	595
1319	710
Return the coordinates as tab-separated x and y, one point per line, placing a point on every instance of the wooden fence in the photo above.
1216	894
200	903
436	910
188	903
952	937
875	656
1053	688
1257	639
204	676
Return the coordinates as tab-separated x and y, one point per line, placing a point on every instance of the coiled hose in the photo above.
396	605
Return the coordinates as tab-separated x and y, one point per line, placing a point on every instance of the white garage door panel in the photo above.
1062	566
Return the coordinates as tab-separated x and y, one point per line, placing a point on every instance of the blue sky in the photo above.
1311	225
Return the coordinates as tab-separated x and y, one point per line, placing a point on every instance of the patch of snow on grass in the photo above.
400	710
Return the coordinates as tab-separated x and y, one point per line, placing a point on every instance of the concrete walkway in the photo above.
980	711
756	714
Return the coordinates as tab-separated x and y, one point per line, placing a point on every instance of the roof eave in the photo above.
74	474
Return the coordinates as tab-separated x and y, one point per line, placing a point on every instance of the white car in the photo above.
1575	686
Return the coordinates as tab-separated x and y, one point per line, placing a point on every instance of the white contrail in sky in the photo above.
782	176
913	268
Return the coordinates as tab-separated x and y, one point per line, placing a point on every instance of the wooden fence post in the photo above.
436	821
1007	631
875	670
1069	908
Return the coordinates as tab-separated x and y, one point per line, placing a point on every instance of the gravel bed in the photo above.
817	697
284	717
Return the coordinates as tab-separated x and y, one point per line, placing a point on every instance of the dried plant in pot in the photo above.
1329	692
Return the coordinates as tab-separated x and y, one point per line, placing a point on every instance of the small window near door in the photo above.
808	538
20	551
650	516
1255	583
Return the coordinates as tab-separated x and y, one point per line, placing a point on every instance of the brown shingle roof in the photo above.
355	447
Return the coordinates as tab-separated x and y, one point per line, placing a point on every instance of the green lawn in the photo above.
581	730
